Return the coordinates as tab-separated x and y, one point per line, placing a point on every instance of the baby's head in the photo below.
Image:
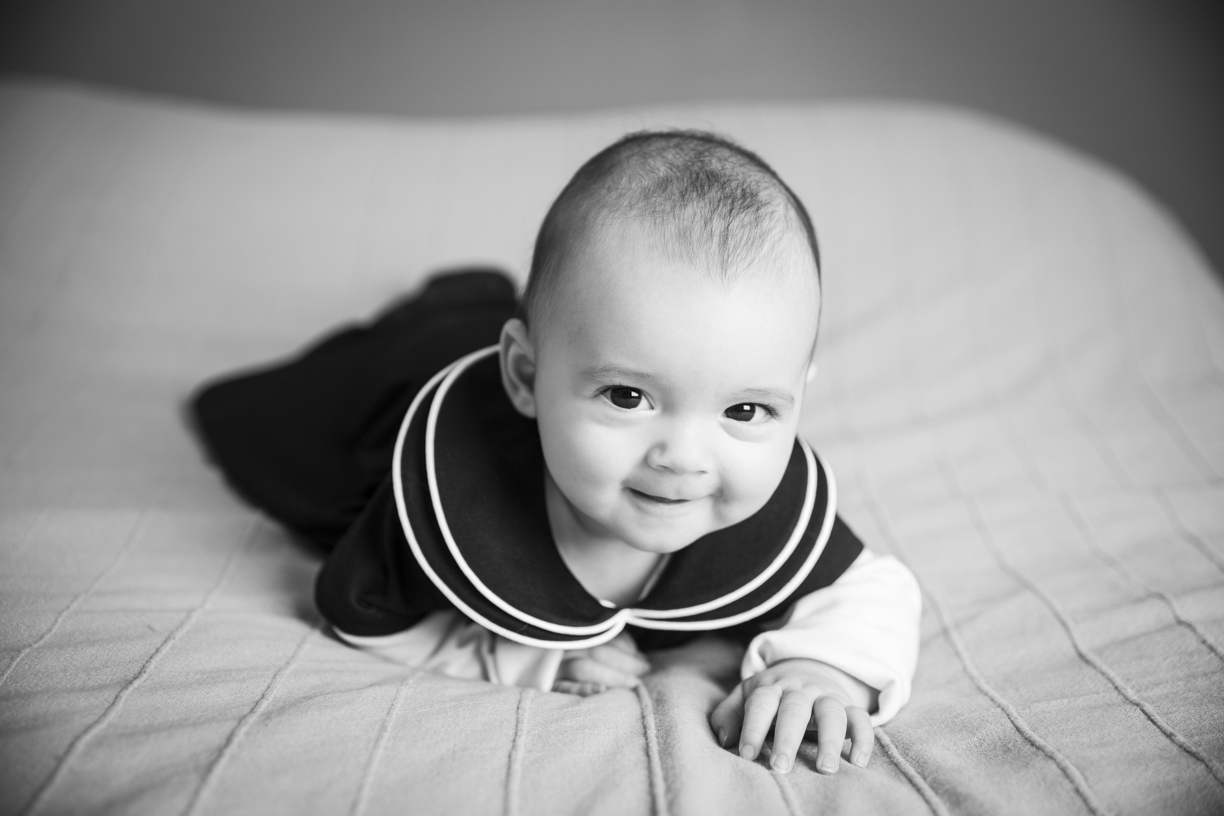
665	338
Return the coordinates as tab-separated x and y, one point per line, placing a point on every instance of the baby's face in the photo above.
668	402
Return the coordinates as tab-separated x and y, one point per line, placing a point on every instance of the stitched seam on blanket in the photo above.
1193	303
849	430
1138	586
979	524
1094	434
376	187
78	744
1088	657
1185	534
793	805
1072	773
1066	395
1079	412
1000	412
1147	394
658	783
27	536
56	144
235	736
380	743
84	228
97	190
1181	438
514	767
910	773
137	529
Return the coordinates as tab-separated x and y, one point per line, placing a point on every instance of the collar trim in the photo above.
431	432
413	544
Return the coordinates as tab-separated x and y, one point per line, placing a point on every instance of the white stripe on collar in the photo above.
423	562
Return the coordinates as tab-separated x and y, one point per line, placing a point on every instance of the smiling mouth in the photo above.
657	499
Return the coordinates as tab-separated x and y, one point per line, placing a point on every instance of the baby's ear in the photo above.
518	366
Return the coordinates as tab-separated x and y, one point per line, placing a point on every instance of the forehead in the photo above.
626	301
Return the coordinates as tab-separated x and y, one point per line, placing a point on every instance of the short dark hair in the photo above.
708	196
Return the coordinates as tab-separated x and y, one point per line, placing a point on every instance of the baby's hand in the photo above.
615	664
804	695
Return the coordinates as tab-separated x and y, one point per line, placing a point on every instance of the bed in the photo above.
1021	394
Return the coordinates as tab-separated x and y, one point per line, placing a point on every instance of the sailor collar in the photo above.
468	474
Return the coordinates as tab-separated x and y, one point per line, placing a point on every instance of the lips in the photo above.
663	500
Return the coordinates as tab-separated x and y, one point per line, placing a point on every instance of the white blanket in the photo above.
1021	392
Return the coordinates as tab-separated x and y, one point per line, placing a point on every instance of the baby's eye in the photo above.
749	412
624	397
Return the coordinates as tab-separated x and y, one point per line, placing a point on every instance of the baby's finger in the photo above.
588	670
794	715
627	662
862	736
830	733
727	716
759	711
579	688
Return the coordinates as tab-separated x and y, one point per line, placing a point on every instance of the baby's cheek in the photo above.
587	458
750	476
605	455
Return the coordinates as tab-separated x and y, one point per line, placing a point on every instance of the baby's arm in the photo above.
850	646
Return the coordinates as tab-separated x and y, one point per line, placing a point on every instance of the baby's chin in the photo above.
663	539
660	545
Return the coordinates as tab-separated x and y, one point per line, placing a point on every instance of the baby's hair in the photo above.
702	195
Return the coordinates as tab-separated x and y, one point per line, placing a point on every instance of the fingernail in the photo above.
780	764
828	765
722	737
859	760
747	752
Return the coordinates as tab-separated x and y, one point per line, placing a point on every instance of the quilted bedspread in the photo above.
1021	394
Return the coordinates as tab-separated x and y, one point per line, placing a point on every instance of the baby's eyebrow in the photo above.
611	372
769	395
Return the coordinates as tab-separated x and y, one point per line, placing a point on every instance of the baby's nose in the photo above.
683	449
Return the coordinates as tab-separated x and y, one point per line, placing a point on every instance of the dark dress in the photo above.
460	520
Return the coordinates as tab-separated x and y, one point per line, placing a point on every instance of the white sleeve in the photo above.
445	642
865	623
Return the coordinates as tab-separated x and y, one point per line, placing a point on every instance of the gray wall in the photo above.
1135	82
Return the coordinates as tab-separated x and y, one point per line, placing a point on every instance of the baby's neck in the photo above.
608	568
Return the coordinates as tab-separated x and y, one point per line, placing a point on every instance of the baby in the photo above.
623	460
